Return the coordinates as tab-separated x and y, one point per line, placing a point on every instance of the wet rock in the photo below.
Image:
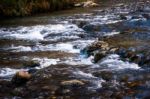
113	50
135	17
123	78
80	23
118	95
130	54
140	9
18	91
99	45
108	94
147	16
31	64
65	91
123	17
133	84
71	87
98	56
123	52
107	85
21	78
6	88
137	59
72	83
146	60
32	71
92	28
106	75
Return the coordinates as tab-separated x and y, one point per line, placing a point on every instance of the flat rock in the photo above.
72	82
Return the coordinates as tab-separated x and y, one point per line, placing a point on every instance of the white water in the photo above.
114	62
39	32
70	47
8	72
45	62
96	82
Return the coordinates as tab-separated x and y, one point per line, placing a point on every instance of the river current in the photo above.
62	39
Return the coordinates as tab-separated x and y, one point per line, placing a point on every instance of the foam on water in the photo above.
70	47
114	62
107	19
39	32
65	47
45	62
62	38
96	82
30	36
111	33
83	74
7	72
79	61
80	44
20	48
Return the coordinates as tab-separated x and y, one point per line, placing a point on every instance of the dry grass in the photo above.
28	7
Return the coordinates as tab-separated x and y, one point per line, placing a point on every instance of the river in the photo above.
57	42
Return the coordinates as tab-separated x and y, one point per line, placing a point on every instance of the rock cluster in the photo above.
100	49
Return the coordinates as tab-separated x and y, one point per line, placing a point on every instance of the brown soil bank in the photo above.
28	7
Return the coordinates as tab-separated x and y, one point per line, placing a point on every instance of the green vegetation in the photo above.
28	7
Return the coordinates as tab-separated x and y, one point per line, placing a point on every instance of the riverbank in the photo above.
15	8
